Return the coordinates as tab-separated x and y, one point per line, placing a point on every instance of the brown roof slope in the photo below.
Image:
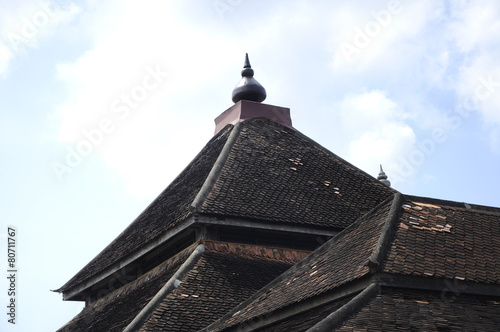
224	276
446	240
117	309
263	171
275	173
342	259
396	309
421	237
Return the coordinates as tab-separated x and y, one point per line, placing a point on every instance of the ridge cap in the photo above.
386	234
216	169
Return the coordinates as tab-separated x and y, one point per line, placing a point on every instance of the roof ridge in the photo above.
216	169
463	205
388	231
71	282
354	168
146	277
169	286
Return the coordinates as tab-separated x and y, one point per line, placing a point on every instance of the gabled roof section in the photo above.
256	169
443	239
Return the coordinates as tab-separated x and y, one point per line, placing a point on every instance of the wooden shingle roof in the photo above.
256	169
442	239
224	275
424	245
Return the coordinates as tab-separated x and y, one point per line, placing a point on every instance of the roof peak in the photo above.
248	88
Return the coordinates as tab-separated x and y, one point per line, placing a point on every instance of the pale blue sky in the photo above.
414	86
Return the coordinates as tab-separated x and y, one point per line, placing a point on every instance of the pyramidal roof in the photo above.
256	169
393	261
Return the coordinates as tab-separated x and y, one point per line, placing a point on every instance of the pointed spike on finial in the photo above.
248	88
383	178
247	69
247	62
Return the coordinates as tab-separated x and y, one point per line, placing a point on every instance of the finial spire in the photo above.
383	178
248	88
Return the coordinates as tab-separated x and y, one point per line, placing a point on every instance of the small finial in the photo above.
383	178
248	88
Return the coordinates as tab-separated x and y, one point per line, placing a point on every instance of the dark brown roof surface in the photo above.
224	275
219	281
267	172
446	240
342	259
275	173
420	237
410	310
305	320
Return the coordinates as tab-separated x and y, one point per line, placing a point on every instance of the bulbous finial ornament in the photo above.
248	88
383	178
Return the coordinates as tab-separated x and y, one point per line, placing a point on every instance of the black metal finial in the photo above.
248	88
383	178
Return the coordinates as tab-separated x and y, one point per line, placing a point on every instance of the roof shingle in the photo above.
343	259
446	240
267	172
396	309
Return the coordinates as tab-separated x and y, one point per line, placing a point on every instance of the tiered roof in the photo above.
396	262
258	170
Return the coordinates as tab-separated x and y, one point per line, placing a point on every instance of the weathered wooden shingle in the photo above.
420	310
269	172
341	260
224	275
219	281
429	240
435	238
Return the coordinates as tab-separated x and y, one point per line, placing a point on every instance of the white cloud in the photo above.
376	129
383	37
476	31
148	136
24	23
5	57
475	23
407	57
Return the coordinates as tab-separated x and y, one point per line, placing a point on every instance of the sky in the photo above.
103	103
